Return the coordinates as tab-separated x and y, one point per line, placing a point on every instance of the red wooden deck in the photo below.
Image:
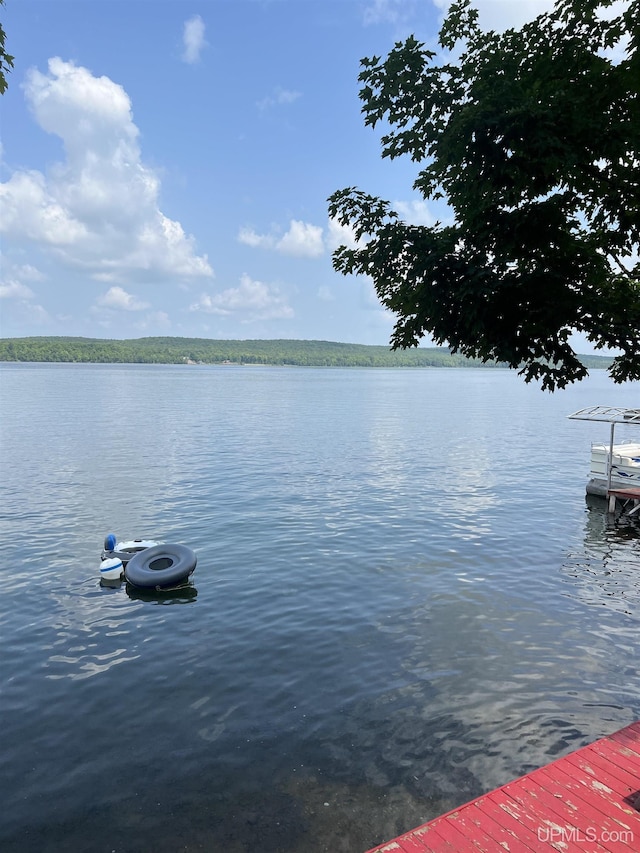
582	803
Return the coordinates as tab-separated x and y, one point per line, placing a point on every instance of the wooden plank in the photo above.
627	739
574	779
625	493
433	841
410	844
424	839
618	827
618	755
631	728
456	836
559	819
605	771
482	815
603	806
520	820
608	758
581	803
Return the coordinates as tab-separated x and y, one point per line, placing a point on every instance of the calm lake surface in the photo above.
402	600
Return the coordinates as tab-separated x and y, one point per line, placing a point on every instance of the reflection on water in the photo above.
402	600
185	594
605	570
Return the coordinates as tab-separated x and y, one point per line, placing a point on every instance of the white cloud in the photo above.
193	39
12	284
500	15
257	241
37	314
385	12
157	320
28	209
12	289
301	240
20	298
253	300
415	212
326	294
279	97
97	210
496	15
304	239
311	241
340	235
120	300
28	272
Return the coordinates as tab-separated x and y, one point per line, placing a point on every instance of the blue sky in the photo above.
165	165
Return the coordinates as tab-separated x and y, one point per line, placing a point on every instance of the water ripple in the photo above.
401	600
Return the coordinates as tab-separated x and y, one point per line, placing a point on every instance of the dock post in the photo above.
610	465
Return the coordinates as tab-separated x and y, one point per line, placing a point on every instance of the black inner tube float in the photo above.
160	566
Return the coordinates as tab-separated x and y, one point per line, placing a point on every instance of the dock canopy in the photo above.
612	415
609	414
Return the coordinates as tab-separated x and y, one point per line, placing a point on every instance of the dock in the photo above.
586	802
630	499
620	463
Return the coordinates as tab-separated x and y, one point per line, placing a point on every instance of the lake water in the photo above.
402	600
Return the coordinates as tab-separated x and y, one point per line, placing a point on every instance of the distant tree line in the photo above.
205	351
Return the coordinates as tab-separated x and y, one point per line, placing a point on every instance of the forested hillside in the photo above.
206	351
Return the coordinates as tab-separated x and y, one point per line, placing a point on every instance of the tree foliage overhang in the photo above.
532	137
6	60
